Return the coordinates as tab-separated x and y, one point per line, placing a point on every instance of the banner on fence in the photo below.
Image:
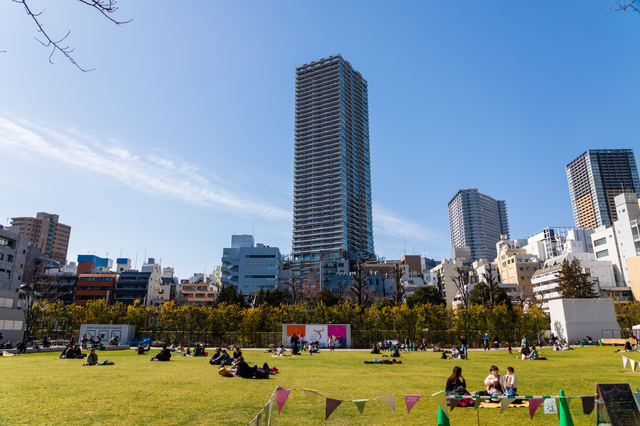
123	332
322	333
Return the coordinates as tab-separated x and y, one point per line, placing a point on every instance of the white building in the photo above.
621	241
550	242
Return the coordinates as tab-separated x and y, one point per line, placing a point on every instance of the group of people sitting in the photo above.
221	357
496	384
395	350
72	352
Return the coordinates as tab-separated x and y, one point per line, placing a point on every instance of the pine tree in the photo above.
573	283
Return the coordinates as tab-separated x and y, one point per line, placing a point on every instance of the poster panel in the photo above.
339	333
317	332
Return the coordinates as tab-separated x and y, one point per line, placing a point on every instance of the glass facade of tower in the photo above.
332	171
477	221
595	178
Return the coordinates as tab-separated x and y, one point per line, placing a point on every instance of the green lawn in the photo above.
41	389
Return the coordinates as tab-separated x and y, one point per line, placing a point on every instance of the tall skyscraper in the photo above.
477	221
595	178
332	171
45	232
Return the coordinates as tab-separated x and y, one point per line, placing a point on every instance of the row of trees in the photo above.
438	324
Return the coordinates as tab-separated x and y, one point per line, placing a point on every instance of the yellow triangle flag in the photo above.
391	401
504	403
360	404
441	400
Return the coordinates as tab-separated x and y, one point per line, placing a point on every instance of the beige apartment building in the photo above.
45	232
516	266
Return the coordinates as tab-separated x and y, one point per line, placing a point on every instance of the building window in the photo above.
603	253
600	242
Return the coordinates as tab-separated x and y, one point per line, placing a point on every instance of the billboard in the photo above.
321	333
106	331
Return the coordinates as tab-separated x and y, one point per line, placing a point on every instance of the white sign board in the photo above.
125	333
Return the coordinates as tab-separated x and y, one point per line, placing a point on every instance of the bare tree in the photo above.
461	282
105	7
623	6
398	293
38	288
294	285
359	290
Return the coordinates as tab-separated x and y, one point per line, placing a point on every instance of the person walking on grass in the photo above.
331	343
463	346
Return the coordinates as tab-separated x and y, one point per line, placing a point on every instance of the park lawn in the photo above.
41	389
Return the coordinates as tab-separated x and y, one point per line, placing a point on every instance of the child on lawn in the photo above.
511	383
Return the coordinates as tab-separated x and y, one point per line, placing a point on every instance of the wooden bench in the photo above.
615	342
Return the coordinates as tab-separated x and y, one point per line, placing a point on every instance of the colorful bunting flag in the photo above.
391	401
625	361
441	400
311	397
410	401
504	403
259	419
332	404
281	397
588	403
533	406
360	404
454	403
633	365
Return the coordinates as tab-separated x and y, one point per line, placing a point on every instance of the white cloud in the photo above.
389	223
146	173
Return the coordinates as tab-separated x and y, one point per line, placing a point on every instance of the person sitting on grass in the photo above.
456	385
495	389
67	353
92	359
628	347
534	354
375	349
237	353
22	347
494	377
511	383
163	355
141	350
77	352
222	359
243	370
395	353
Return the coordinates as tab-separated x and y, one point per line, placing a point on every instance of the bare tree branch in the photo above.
105	7
623	6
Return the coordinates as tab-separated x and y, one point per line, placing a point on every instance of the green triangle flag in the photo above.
443	420
504	403
360	404
441	400
311	397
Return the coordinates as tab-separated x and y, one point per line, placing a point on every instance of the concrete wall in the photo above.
579	318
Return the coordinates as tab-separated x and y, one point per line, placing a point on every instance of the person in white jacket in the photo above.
493	377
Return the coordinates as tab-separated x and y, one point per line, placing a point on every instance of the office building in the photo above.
13	255
45	232
95	280
145	285
332	217
595	178
477	221
250	266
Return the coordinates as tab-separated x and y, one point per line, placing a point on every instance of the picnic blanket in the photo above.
487	404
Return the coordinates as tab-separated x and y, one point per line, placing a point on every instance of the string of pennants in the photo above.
635	365
281	394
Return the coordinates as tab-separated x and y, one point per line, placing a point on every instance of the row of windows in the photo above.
9	257
600	242
89	288
260	256
267	277
10	325
5	302
603	253
96	279
260	265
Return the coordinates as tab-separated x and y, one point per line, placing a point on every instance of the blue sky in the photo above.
183	135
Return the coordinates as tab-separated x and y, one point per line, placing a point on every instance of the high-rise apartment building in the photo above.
477	221
595	178
332	215
45	232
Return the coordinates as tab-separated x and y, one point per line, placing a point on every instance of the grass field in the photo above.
41	389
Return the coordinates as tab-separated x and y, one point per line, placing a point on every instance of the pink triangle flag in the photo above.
533	406
625	361
332	404
281	397
411	400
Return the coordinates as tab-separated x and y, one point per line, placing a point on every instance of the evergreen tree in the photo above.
573	283
424	295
